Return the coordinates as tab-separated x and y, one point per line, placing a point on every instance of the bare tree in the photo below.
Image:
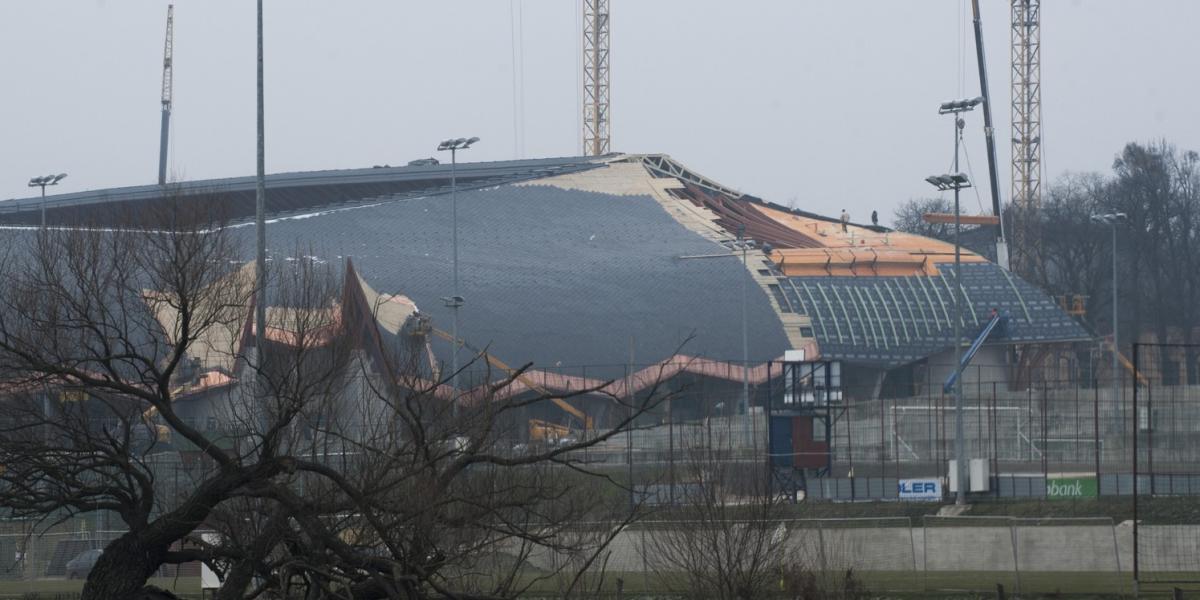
94	377
433	498
728	538
1066	253
324	459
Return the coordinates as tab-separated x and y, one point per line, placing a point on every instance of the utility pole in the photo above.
596	133
167	90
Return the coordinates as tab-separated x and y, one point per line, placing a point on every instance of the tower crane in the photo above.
167	89
596	133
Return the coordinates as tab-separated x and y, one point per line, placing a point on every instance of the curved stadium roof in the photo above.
572	262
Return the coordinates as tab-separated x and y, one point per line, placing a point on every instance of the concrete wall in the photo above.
1099	548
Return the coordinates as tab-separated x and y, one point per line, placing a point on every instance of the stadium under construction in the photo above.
636	270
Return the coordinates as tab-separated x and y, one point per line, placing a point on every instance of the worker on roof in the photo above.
875	218
845	220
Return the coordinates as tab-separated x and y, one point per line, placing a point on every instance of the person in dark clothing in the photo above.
875	218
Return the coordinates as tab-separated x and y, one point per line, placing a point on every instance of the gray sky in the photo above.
822	104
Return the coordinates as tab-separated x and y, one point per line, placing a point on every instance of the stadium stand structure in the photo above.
584	266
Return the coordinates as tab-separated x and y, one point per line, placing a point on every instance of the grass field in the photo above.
64	589
879	584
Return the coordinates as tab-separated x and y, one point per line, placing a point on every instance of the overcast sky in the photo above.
818	103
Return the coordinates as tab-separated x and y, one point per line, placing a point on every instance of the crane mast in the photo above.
596	135
167	90
1026	127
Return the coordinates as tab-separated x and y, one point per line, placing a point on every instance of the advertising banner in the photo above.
1071	487
921	489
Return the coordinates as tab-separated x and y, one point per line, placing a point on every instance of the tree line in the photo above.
1061	248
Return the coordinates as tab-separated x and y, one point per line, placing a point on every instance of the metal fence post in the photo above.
1116	549
1012	530
1096	433
821	545
912	543
1136	372
645	563
924	554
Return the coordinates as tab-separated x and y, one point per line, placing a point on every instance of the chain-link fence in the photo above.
1034	442
1162	461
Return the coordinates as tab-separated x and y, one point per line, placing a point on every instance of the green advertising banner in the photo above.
1071	487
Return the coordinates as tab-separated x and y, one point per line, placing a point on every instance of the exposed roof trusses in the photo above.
661	165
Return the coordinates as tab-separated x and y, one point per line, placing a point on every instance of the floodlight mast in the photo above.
42	182
260	208
455	300
957	181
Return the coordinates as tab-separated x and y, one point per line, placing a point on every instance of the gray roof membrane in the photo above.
550	276
234	198
896	320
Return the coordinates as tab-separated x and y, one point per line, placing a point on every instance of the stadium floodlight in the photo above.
958	106
949	181
42	182
457	144
455	301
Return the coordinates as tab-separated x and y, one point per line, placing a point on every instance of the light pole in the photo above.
260	210
42	182
957	182
1112	220
454	301
747	430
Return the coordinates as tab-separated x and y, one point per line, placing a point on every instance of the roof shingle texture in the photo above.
550	276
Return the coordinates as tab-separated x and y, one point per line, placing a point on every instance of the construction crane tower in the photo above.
596	135
167	89
1026	124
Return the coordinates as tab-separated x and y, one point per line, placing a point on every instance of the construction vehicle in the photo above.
1125	362
991	326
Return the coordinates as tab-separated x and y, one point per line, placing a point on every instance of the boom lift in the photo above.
991	326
